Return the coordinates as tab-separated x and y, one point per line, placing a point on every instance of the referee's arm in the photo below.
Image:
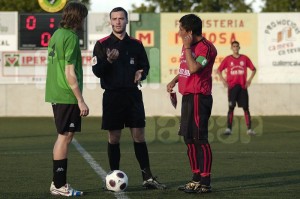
100	62
144	63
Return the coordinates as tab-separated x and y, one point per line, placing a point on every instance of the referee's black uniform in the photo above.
122	100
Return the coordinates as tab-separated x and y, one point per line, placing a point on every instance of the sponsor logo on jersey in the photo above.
184	72
237	70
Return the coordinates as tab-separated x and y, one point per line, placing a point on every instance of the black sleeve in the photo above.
100	63
144	63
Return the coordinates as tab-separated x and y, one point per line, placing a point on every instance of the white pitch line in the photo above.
95	166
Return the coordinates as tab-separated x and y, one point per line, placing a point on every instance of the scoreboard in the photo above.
24	39
36	29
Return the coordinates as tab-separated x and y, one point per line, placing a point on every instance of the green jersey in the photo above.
63	50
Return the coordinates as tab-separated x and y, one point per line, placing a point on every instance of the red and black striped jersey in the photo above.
201	81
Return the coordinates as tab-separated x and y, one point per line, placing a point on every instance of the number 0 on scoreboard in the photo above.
36	29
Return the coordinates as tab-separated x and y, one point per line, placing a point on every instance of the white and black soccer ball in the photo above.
116	181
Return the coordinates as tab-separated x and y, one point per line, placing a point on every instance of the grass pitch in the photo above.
264	166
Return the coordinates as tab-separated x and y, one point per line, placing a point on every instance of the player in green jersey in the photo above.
64	90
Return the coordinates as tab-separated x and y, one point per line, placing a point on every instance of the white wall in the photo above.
265	99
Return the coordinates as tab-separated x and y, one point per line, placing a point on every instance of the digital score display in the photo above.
36	29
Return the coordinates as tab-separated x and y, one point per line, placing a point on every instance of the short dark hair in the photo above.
192	22
73	14
235	42
118	9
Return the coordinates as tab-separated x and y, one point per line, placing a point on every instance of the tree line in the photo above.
156	6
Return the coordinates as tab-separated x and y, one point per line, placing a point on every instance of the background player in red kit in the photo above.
237	84
195	84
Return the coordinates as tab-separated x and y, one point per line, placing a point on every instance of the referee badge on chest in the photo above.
131	60
94	61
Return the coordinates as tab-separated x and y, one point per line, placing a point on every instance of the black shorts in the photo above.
195	113
67	118
123	108
238	95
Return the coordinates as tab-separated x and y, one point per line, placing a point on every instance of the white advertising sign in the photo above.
279	48
8	31
31	67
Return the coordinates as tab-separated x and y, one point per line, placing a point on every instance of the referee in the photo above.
121	63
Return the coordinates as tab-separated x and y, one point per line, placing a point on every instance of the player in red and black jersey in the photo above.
195	84
236	80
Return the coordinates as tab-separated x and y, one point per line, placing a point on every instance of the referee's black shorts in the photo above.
238	95
123	108
195	113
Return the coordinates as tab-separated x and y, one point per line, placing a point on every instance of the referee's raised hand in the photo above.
112	55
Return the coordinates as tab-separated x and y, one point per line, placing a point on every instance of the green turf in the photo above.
264	166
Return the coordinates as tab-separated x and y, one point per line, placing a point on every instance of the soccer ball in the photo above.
116	181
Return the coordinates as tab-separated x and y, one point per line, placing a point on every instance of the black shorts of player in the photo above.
67	118
123	108
238	95
195	113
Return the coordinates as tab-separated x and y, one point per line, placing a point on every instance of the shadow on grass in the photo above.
278	183
223	184
29	136
282	181
257	176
